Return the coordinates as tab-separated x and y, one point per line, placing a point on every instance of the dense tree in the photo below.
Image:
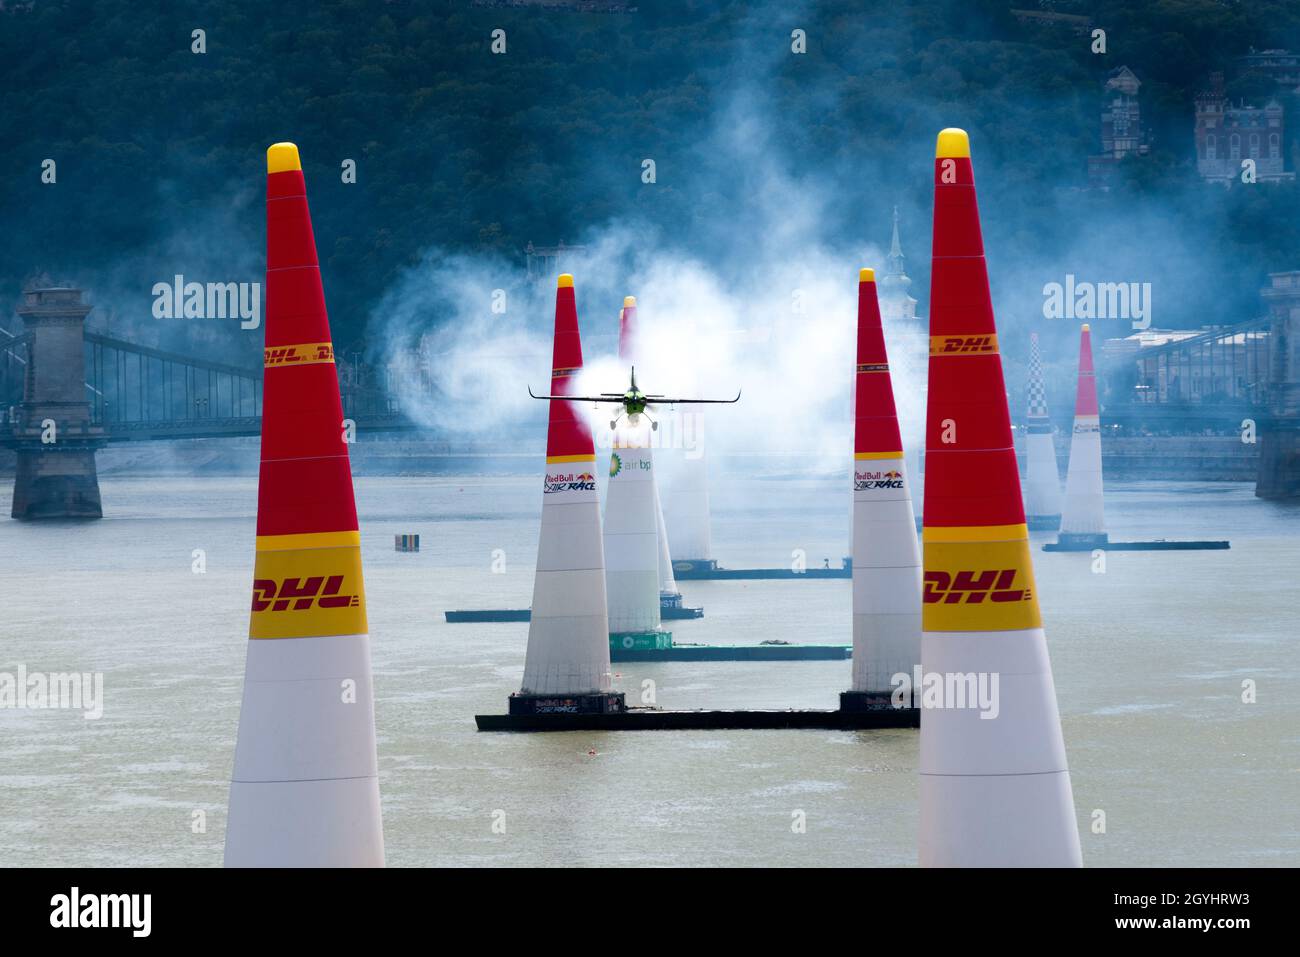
160	150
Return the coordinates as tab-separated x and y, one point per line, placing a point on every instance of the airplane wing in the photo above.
575	398
659	400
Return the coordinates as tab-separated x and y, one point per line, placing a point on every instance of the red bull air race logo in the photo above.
865	481
569	482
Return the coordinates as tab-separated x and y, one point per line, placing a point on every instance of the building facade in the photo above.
1122	132
1227	134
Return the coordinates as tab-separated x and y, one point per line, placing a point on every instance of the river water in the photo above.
1149	658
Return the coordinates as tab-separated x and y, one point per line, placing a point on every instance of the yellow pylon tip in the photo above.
281	157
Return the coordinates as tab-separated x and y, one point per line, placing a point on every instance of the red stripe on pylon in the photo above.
297	496
971	475
627	334
876	417
567	431
305	479
1085	397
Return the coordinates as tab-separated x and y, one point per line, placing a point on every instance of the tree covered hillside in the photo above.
160	150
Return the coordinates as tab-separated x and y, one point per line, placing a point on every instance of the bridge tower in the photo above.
53	433
1279	454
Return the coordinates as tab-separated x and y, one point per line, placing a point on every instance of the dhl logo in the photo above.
873	367
301	594
963	345
300	355
974	587
979	580
561	373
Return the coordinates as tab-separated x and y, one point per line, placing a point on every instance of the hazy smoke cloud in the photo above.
777	321
754	286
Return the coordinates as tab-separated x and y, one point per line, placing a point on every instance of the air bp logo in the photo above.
615	464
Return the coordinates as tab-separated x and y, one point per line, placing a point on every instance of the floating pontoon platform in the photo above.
654	719
733	653
1159	545
712	571
1043	523
666	612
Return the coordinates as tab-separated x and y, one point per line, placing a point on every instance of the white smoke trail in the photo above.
785	338
779	326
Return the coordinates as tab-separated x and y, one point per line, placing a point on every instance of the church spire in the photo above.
895	303
895	250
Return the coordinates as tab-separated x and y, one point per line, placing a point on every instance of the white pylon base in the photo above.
667	583
886	578
633	556
983	821
568	633
568	609
1042	482
882	642
305	789
1084	511
305	824
687	516
995	790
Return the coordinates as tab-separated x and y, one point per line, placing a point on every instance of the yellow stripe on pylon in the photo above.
972	582
984	344
279	543
308	353
308	592
862	456
952	143
551	459
282	157
974	533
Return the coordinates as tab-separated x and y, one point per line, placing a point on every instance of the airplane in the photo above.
634	401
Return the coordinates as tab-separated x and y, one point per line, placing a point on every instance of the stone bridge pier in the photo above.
1279	453
53	435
